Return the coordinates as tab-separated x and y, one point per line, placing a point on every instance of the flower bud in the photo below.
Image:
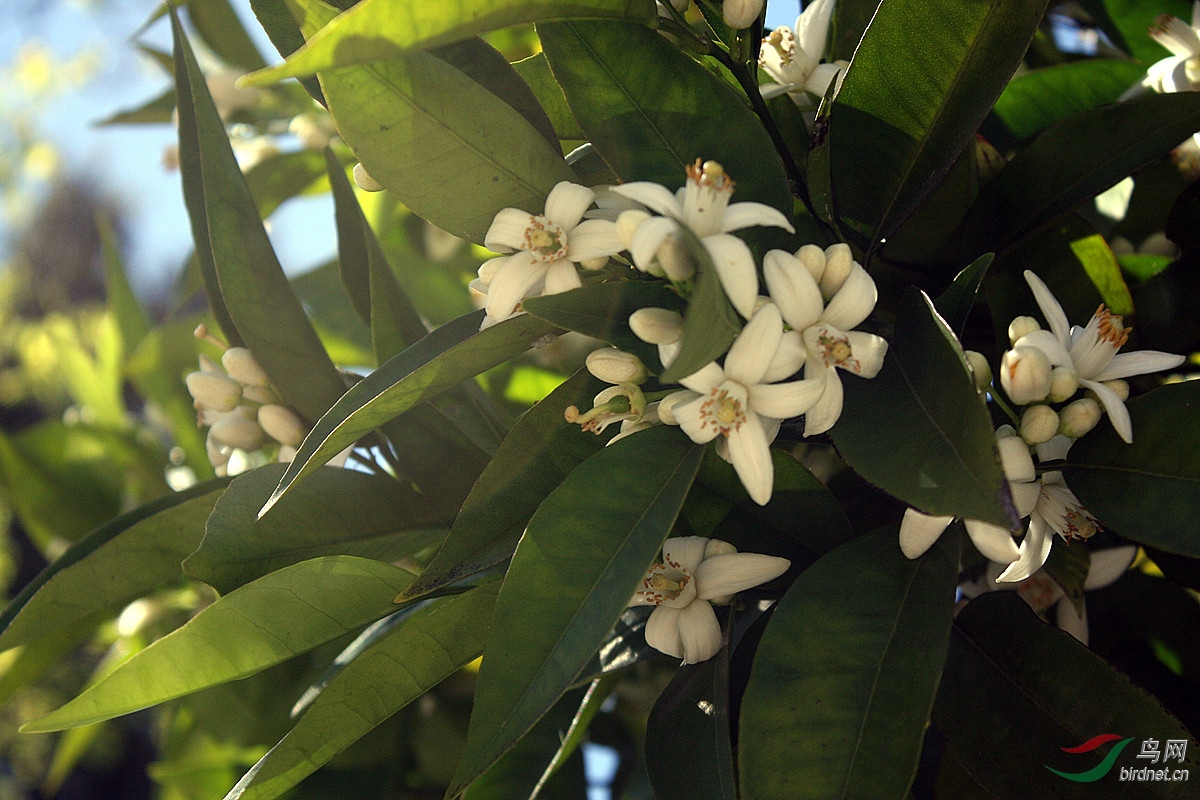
1039	424
616	366
364	181
1121	246
1064	382
1025	375
741	14
1120	387
981	371
718	547
656	325
1157	244
1021	326
666	406
628	222
214	391
676	260
244	368
813	259
262	395
282	424
1079	417
839	263
1014	456
237	431
594	264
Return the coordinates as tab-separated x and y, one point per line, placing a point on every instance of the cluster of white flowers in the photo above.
792	58
242	411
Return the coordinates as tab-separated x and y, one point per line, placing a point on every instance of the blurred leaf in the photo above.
282	176
156	111
281	28
652	116
538	453
246	287
431	644
221	29
334	512
1128	22
1045	691
122	560
536	72
123	305
1154	611
1102	267
1183	211
1054	174
253	627
445	358
378	29
1148	491
954	304
573	573
915	121
1042	97
919	430
846	673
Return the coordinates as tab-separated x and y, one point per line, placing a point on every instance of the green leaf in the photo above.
954	304
538	453
123	305
281	28
443	359
1044	691
221	29
536	72
688	747
379	29
334	512
709	324
919	430
430	644
573	573
1148	491
253	627
1101	266
652	116
921	81
134	553
1128	23
1054	174
246	287
846	673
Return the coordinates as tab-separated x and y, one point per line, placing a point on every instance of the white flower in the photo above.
735	403
793	59
1179	72
694	573
1092	352
702	204
547	247
741	14
822	294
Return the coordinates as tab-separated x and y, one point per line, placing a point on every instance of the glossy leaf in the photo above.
1101	266
709	324
253	627
431	644
954	304
650	117
378	29
122	560
334	512
1000	650
573	573
443	359
1147	491
920	83
919	430
846	673
246	287
538	453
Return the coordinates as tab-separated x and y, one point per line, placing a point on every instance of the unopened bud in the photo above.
282	424
1157	244
839	263
1014	456
676	260
1064	382
741	14
627	224
1079	417
1039	424
364	181
616	366
656	325
1121	246
981	371
594	264
666	406
215	391
237	431
1025	375
244	368
1021	326
1119	387
813	259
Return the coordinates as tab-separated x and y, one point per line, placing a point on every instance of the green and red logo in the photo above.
1100	770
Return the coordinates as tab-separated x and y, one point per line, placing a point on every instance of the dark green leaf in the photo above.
846	673
1128	23
709	324
221	29
537	75
688	749
954	304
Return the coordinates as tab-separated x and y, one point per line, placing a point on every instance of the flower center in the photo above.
783	42
724	408
1079	525
664	582
837	352
545	239
1112	328
705	197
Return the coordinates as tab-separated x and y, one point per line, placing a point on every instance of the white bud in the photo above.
244	368
627	224
813	259
718	547
364	181
839	263
1157	244
1064	382
1021	326
259	394
1121	246
1025	375
214	391
616	366
741	14
1039	424
656	325
1120	387
676	260
1014	456
282	424
218	451
237	431
981	371
1079	417
666	406
208	365
681	5
594	264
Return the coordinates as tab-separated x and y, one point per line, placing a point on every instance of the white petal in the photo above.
1114	406
995	543
812	27
785	400
736	572
825	412
561	277
566	203
648	237
919	531
507	232
746	215
512	284
1048	344
869	351
788	359
1177	36
1107	565
1140	362
705	379
1034	549
593	238
735	267
752	350
1068	620
1056	318
688	415
750	454
793	289
769	90
821	76
686	551
1015	459
854	301
654	196
1025	496
699	632
662	631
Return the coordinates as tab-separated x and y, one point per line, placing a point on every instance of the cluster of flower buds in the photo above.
242	411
